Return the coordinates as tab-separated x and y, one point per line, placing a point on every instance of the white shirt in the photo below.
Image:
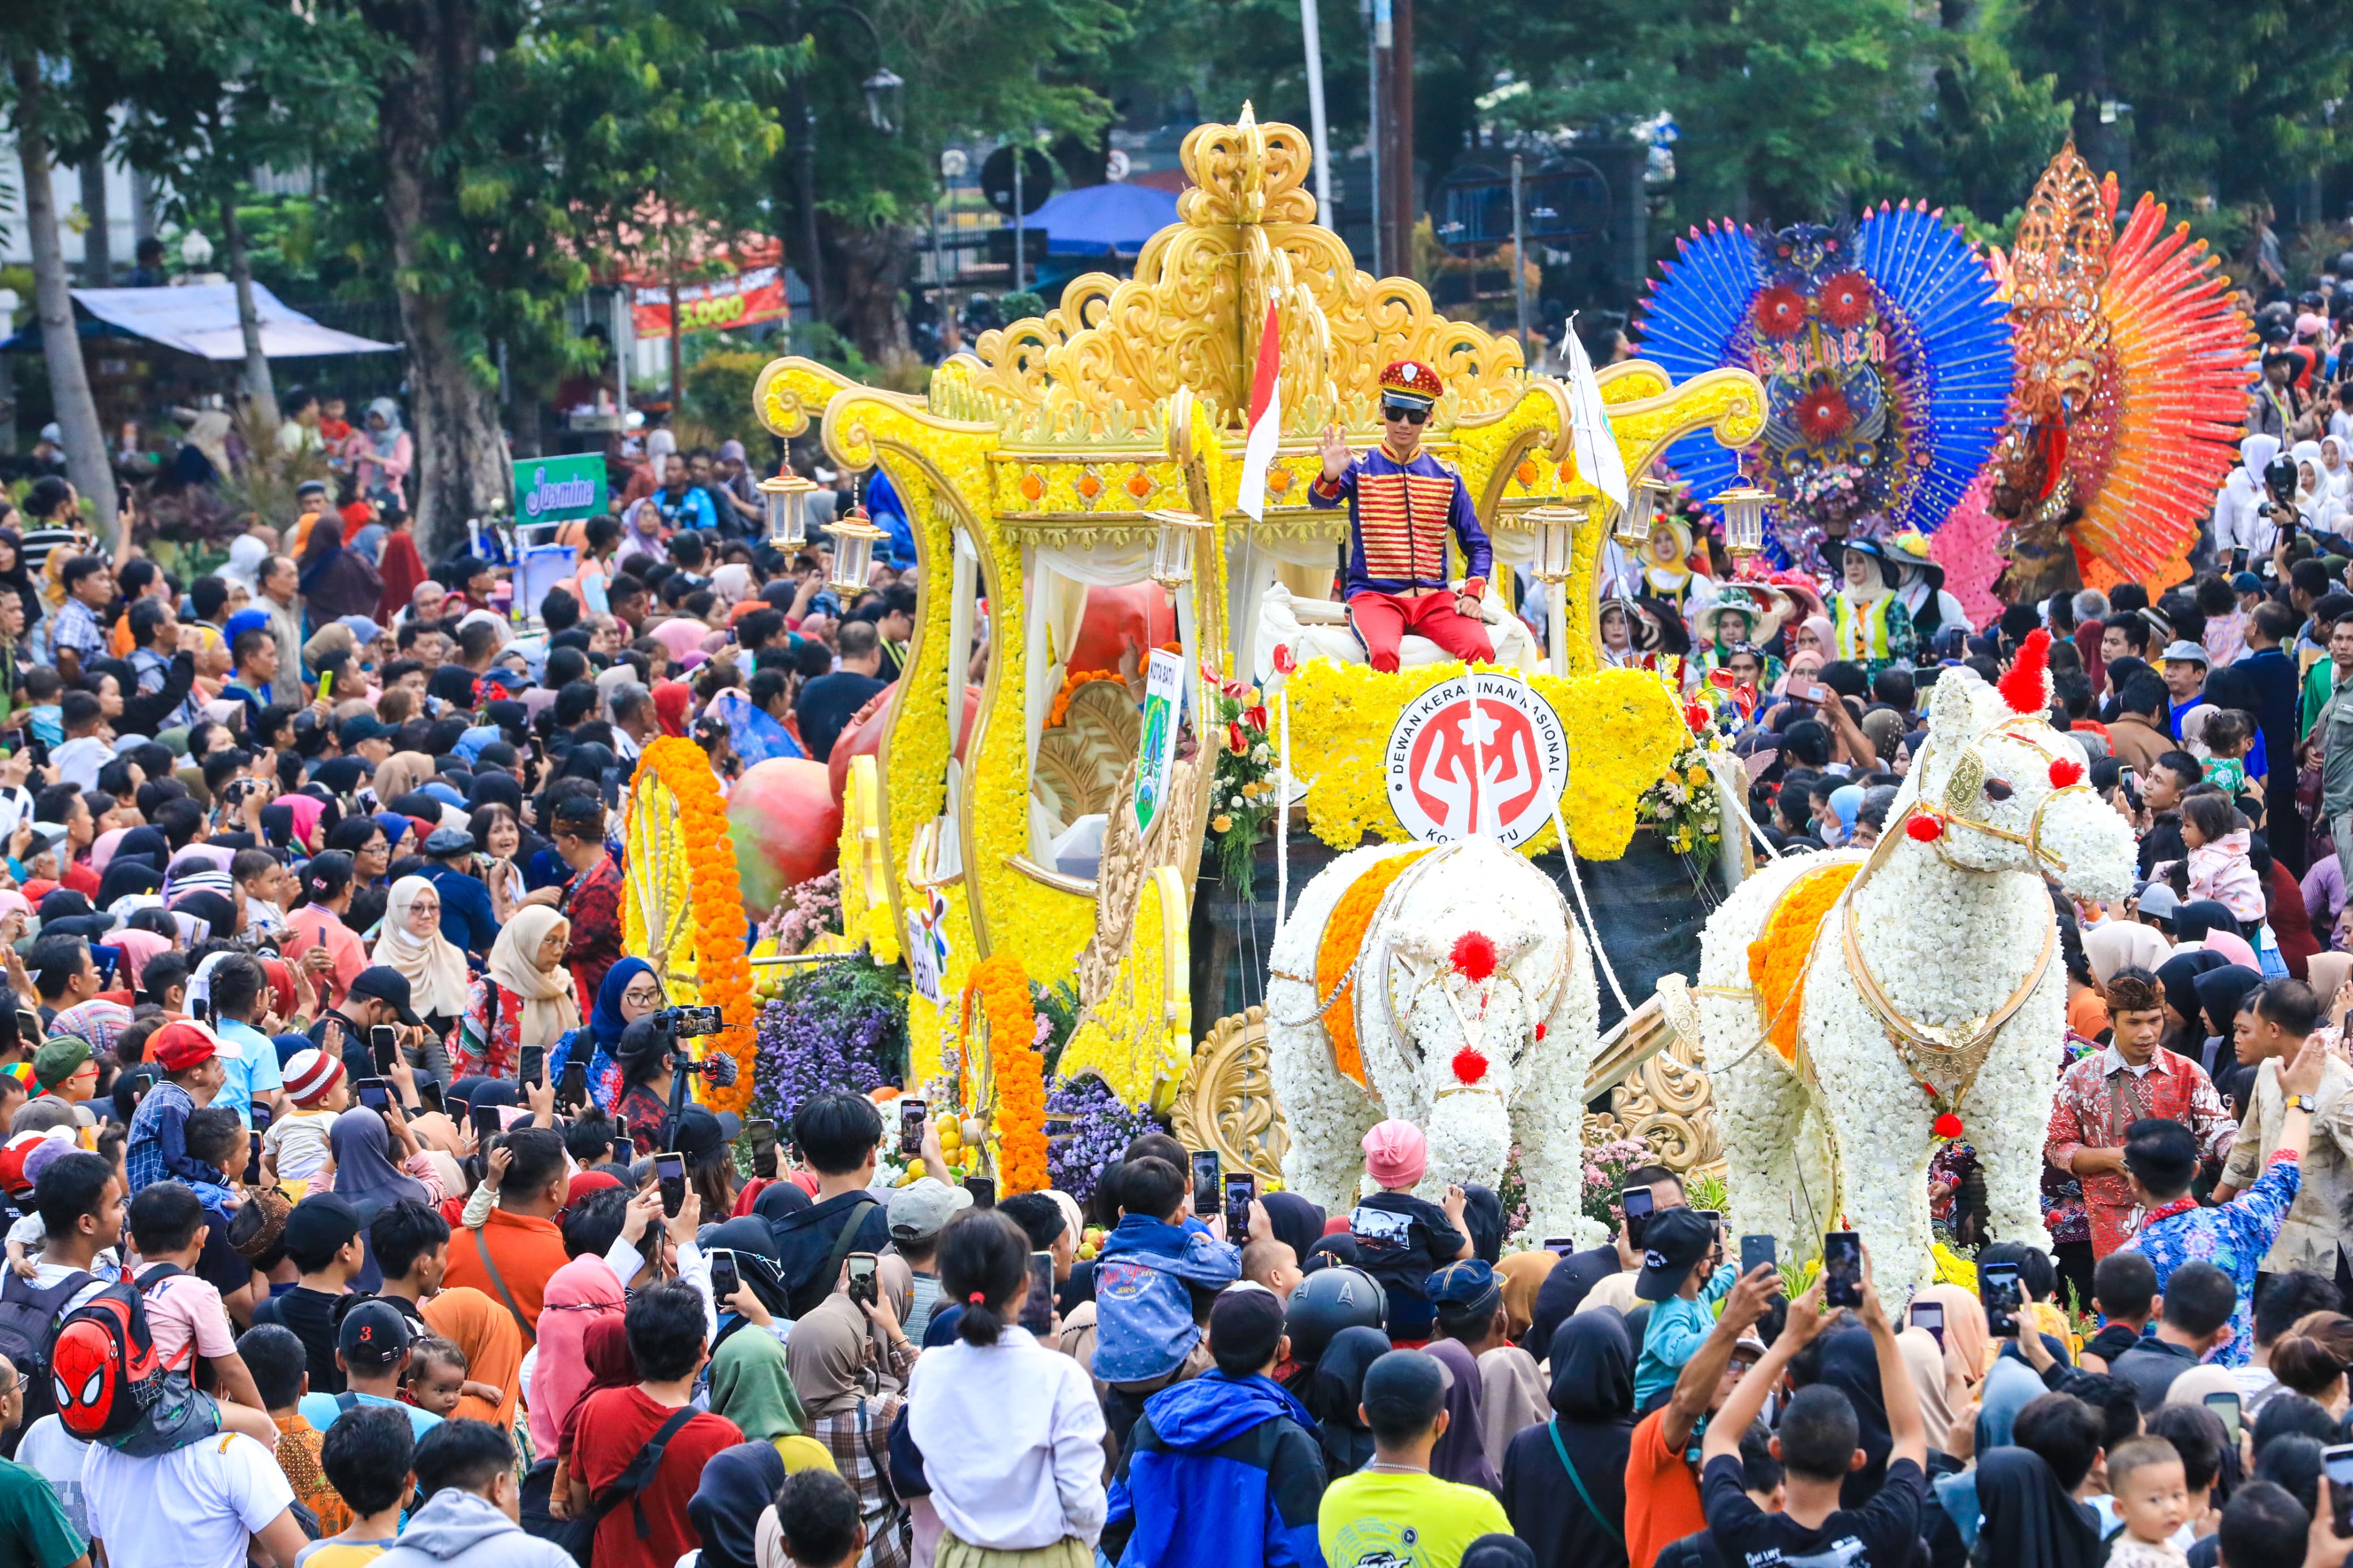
80	759
2112	1059
1012	1441
192	1508
56	1454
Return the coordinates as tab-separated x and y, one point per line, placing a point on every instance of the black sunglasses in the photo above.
1411	415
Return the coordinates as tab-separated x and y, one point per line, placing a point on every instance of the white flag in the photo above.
1597	457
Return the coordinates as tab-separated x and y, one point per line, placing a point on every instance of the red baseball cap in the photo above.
181	1046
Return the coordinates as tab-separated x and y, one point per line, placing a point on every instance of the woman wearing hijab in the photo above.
2026	1518
1483	1220
401	773
826	1355
487	1333
1923	1359
751	1385
523	998
411	943
2178	977
14	575
380	455
1850	1364
1461	1452
1522	1276
1296	1221
627	993
761	1268
361	1141
336	582
737	1488
1335	1395
2222	991
579	1295
1589	1437
605	1355
2121	944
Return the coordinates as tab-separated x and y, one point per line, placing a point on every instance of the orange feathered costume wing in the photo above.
2131	385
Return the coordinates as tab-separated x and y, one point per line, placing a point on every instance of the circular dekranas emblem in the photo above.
1491	762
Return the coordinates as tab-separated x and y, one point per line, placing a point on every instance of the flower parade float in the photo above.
1857	1010
1021	802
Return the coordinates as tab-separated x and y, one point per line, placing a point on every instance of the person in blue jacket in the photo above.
1222	1468
1158	1272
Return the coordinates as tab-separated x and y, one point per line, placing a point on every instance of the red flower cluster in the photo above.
1470	1065
1473	955
1947	1127
1824	412
1779	311
1845	300
1923	830
2064	772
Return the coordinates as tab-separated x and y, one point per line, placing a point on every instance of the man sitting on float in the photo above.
1402	503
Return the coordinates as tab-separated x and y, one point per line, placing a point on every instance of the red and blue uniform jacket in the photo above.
1398	517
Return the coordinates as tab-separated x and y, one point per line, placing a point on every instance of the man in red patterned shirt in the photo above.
592	902
2105	1093
1402	505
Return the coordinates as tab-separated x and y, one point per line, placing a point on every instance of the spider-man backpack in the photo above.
103	1368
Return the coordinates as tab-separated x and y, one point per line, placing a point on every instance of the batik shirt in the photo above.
593	905
2232	1237
2099	1097
2062	1191
1398	518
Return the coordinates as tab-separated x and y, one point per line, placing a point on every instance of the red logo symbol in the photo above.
1495	767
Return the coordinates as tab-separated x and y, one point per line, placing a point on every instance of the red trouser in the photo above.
1381	621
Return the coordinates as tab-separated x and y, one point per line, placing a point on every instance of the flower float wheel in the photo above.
683	908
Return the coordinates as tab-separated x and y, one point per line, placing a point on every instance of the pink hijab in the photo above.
681	636
137	947
307	810
582	1293
101	852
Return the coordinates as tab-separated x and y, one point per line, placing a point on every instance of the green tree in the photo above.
1987	131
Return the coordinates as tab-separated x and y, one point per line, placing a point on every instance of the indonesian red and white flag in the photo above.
1265	417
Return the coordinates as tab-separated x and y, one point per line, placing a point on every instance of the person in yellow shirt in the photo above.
1394	1512
370	1459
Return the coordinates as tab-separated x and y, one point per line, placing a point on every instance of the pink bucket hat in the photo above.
1395	1153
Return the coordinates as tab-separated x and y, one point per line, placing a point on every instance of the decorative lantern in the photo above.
1642	512
853	553
1172	550
883	91
788	496
1744	520
1556	529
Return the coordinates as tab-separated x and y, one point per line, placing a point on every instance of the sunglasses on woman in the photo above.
1411	415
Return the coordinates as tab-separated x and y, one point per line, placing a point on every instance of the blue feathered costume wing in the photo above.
1885	355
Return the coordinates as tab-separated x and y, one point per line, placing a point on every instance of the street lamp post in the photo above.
882	94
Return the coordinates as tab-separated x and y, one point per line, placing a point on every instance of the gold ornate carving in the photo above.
1226	1101
1657	1088
1082	761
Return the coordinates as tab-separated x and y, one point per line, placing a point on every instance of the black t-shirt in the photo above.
219	1265
1882	1534
2112	1342
1401	1240
312	1315
826	705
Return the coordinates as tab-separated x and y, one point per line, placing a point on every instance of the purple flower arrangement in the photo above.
841	1027
1101	1127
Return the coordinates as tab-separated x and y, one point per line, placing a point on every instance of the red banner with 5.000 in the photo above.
714	305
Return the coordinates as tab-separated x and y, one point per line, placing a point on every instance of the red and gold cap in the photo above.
1410	383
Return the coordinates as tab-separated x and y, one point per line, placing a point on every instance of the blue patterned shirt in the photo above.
2232	1237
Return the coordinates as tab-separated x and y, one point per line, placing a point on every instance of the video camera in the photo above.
2279	482
679	1024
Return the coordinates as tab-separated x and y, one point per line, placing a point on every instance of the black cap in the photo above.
373	1335
361	727
1245	1325
700	1133
1672	1241
322	1223
381	982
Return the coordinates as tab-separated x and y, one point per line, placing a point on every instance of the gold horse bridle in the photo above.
1967	782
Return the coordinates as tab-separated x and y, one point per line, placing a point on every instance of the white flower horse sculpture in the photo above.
1858	1010
1447	987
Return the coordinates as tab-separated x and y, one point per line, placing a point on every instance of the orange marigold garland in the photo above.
1017	1072
1061	708
1777	959
722	972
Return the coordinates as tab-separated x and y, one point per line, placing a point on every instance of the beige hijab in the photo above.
548	1008
1511	1399
1926	1363
434	968
2120	944
1969	1343
400	774
827	1356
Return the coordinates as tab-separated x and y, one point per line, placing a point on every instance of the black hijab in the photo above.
1593	1400
2179	976
1298	1222
756	1261
453	684
145	841
2028	1520
1565	1289
1327	1251
2220	994
736	1488
1482	1217
1851	1365
20	577
1334	1394
124	877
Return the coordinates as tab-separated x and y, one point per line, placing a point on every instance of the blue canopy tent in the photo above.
1098	220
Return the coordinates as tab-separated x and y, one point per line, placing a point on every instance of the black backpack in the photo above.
28	1313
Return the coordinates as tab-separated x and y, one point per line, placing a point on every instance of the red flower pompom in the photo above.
1473	955
1923	830
2064	772
1779	311
1823	413
1540	1029
1470	1065
1948	1126
1845	300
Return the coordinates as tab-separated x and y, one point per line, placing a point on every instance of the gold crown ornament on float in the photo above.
1097	444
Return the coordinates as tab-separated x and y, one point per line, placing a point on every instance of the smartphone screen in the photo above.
1560	1244
669	1170
1930	1315
253	1159
1998	1288
763	1133
374	1093
1037	1307
983	1190
2337	1464
486	1122
430	1092
2226	1406
1756	1252
862	1286
572	1088
261	1114
1239	1192
382	1044
724	1281
913	1112
1636	1205
534	1064
1205	1178
1842	1266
